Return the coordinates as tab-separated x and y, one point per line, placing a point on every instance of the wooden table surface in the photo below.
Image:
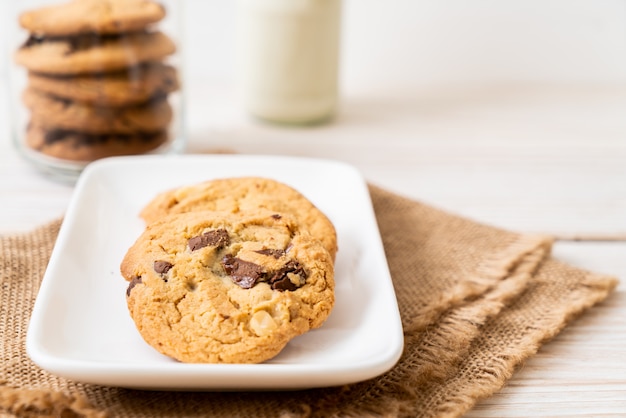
529	158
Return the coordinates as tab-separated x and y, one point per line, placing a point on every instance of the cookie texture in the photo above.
52	112
93	53
79	146
92	16
132	85
213	287
242	194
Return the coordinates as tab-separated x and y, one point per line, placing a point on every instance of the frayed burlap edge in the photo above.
43	403
511	353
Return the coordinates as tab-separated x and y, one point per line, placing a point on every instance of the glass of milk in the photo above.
288	59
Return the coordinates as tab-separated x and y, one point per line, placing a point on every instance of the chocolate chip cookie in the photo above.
52	112
132	85
92	16
93	53
242	194
213	287
79	146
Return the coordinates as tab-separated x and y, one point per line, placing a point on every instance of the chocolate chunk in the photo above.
216	238
280	279
162	267
242	273
276	216
76	43
87	41
276	253
33	40
65	102
133	282
284	284
170	82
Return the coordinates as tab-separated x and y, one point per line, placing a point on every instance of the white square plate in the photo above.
80	327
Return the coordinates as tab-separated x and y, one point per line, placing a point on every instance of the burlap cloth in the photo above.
475	302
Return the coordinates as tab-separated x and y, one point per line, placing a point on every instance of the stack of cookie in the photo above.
230	270
98	85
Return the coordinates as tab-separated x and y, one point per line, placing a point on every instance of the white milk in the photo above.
288	58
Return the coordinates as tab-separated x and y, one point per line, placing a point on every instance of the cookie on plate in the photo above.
79	146
243	194
131	85
93	53
52	112
92	16
211	287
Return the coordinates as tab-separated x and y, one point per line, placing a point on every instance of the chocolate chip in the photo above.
55	135
133	282
33	40
64	102
169	82
76	43
162	267
276	216
215	238
284	284
89	40
276	253
242	273
280	279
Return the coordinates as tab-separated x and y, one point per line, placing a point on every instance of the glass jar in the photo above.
288	59
90	80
